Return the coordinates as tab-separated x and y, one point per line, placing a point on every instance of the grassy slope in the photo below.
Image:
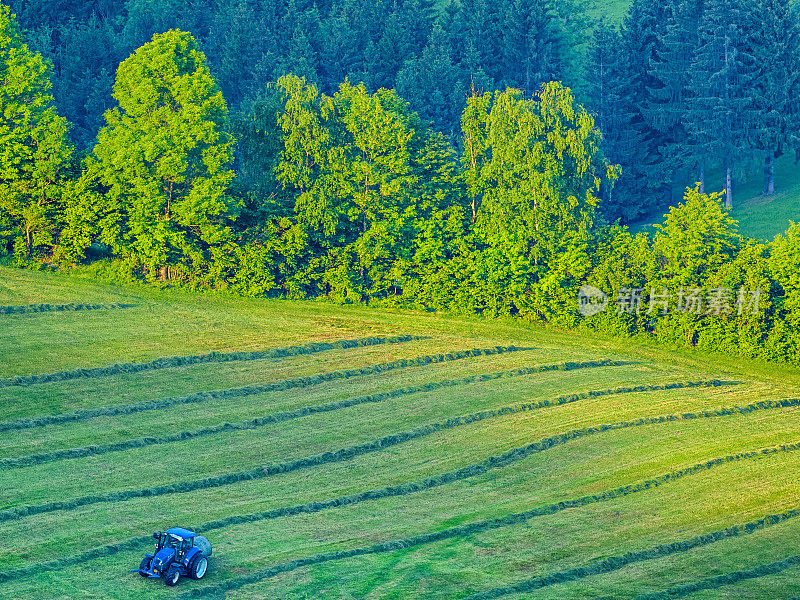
760	217
169	323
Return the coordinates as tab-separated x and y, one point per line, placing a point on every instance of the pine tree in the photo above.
342	44
418	17
389	53
431	83
237	40
642	183
776	87
532	45
603	101
671	87
722	116
35	153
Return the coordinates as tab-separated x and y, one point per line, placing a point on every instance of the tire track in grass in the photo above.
95	450
489	464
211	357
346	454
596	568
284	384
40	308
713	583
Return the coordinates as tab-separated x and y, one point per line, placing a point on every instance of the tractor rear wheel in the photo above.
144	566
172	576
198	567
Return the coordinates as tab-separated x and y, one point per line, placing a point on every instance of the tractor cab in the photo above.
178	539
178	552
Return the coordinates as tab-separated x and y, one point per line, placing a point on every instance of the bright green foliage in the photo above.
694	247
785	268
475	128
538	206
161	166
349	158
696	239
35	153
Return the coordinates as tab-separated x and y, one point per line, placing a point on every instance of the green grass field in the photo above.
591	468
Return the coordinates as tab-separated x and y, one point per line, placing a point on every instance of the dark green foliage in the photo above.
38	308
776	83
181	361
343	191
722	114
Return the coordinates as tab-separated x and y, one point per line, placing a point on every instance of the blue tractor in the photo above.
179	552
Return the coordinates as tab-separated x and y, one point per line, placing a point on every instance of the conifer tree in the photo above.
603	101
431	83
776	86
532	45
642	183
721	117
670	89
385	62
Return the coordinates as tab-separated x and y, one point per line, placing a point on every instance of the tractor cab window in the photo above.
173	541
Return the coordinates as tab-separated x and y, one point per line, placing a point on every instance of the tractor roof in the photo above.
182	533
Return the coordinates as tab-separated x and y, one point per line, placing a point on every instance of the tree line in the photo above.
404	44
683	90
355	197
687	88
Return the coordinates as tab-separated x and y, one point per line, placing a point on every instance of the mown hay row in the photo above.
713	583
401	490
284	384
596	568
39	308
615	563
55	455
346	454
211	357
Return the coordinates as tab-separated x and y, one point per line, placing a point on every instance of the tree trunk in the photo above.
769	174
728	186
702	178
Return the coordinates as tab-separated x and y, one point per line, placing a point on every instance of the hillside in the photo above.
364	469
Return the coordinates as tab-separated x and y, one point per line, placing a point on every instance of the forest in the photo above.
458	158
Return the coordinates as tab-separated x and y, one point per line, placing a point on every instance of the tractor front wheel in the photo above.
198	567
144	566
172	576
